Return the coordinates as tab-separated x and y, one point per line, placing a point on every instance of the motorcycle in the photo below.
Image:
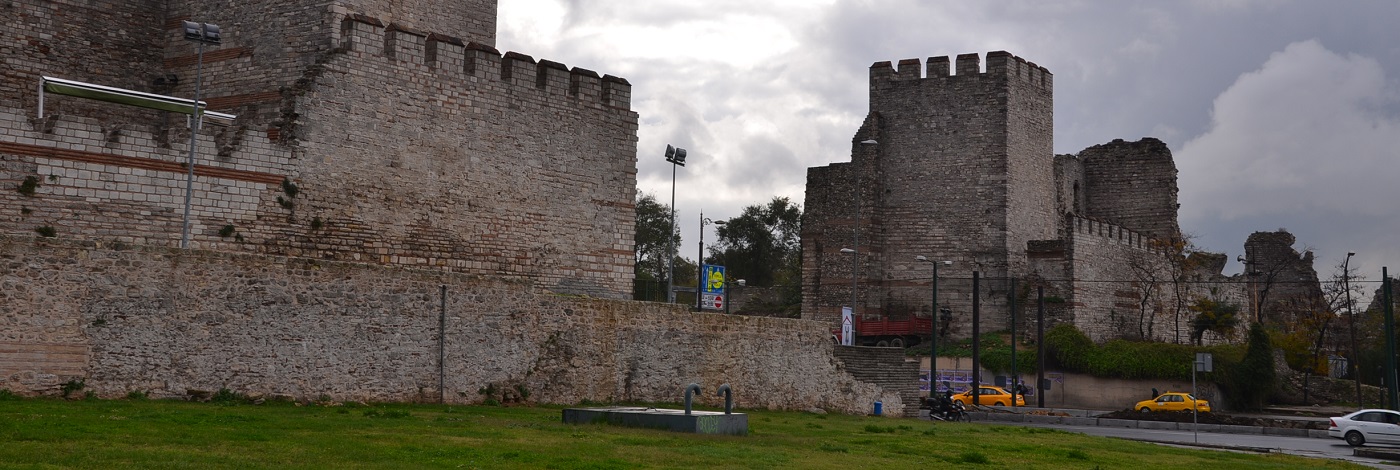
947	410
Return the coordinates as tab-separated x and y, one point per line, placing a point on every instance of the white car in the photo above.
1366	426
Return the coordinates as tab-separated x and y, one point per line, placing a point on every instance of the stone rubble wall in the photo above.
164	321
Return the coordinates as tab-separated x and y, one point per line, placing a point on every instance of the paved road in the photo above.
1327	448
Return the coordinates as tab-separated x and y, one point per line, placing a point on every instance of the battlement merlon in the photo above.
1080	225
450	55
999	63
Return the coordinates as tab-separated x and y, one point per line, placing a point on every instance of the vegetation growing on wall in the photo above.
29	185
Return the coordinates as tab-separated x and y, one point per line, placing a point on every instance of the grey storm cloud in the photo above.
1279	112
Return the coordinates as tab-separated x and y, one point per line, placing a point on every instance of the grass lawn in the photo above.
52	433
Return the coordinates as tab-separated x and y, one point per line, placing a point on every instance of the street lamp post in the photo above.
676	156
1354	362
700	260
855	283
201	33
933	320
855	227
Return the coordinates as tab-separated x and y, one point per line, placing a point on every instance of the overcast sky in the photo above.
1280	114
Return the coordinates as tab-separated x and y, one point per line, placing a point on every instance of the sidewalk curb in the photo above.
1089	418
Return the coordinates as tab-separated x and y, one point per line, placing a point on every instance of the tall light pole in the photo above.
677	158
855	284
1354	363
201	33
933	319
855	228
700	260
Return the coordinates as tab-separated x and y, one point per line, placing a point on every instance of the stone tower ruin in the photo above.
957	164
961	170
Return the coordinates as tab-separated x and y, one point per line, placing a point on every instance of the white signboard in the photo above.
848	330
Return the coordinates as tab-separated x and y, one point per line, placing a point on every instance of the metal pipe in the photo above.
671	245
976	342
1015	374
1389	309
689	389
700	264
1040	346
728	398
442	347
1354	362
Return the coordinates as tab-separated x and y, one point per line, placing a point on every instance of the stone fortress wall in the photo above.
167	321
401	146
383	148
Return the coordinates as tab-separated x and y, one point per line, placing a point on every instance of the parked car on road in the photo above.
1173	401
1366	426
989	395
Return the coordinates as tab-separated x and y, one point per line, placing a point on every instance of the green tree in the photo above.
1213	316
1248	383
761	245
653	222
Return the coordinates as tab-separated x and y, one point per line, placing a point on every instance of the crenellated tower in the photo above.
960	169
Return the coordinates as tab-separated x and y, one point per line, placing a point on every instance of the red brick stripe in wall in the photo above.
138	162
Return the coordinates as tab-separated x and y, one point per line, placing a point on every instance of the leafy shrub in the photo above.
46	231
1070	347
1247	382
227	231
6	394
72	386
136	395
1075	352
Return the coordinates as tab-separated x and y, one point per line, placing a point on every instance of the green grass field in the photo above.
52	433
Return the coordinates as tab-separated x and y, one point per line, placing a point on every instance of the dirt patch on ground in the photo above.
1215	418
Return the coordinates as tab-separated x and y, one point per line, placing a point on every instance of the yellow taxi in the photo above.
1173	401
989	395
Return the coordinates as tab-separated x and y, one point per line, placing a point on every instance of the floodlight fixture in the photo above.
203	33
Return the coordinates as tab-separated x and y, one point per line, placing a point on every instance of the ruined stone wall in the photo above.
1096	277
827	220
1069	181
402	146
1132	184
1113	269
166	321
962	171
1281	282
